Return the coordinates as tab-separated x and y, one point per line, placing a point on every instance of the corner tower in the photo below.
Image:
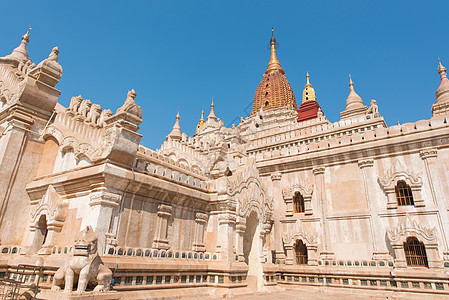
274	90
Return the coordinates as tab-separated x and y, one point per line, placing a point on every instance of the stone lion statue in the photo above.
85	265
93	116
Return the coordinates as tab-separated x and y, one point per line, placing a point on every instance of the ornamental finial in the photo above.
441	68
26	36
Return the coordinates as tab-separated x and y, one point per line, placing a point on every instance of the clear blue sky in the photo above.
182	53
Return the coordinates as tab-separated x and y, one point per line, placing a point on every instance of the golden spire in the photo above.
307	76
309	93
351	84
26	36
201	122
274	63
441	68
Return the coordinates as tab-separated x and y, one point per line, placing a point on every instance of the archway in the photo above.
40	235
251	252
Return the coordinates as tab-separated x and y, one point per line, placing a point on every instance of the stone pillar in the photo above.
290	255
164	213
326	253
312	259
277	227
380	251
200	222
53	229
435	182
102	205
240	230
226	225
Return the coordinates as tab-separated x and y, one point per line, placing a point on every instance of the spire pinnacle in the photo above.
212	113
201	122
309	93
274	63
26	36
307	76
20	53
175	133
441	68
351	84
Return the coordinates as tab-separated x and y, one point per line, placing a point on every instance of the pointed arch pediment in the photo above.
53	207
410	227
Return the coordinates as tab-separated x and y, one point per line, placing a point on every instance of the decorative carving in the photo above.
276	176
85	108
75	104
94	114
52	206
164	209
105	199
105	114
85	264
290	238
318	170
130	105
396	173
247	189
428	153
411	228
201	217
306	192
366	163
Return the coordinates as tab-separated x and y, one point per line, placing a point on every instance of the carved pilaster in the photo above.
200	223
327	253
164	213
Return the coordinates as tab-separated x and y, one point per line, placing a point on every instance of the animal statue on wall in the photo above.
75	103
84	264
85	108
94	114
106	113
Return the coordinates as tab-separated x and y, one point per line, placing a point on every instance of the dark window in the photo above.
298	202
404	194
415	253
301	253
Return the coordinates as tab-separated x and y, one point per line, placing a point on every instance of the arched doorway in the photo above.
251	252
40	235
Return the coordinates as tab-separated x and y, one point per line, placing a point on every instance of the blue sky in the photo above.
183	53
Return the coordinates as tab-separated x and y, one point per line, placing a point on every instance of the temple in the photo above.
284	199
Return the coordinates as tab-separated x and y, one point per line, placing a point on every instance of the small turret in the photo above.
211	115
441	106
20	53
354	104
175	133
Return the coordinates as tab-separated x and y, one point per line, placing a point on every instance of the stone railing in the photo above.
384	278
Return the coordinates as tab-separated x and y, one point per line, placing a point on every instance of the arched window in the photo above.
298	202
415	253
301	253
403	194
